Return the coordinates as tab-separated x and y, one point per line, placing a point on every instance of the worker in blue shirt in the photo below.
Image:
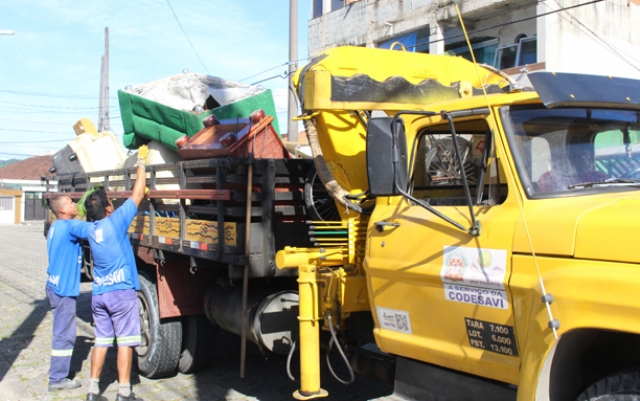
63	286
114	301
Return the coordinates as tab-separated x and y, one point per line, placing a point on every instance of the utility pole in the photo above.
292	134
101	106
103	117
107	124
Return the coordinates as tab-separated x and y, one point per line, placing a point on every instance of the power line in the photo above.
30	142
14	110
272	68
50	95
41	132
53	107
504	24
20	154
595	36
46	140
31	121
185	35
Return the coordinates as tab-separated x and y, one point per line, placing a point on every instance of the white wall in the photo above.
563	43
368	22
571	48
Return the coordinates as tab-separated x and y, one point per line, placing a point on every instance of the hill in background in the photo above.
5	163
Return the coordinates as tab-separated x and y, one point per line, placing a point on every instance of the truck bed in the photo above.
194	204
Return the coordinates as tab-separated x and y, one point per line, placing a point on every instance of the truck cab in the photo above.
499	259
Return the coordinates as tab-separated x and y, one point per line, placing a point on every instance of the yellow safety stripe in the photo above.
104	340
129	339
61	352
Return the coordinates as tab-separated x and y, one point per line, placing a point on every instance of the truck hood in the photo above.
600	227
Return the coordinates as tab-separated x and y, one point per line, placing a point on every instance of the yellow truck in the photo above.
456	234
487	234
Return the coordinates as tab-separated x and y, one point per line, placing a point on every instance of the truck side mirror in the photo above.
381	169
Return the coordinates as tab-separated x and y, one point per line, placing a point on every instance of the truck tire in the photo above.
317	201
87	263
197	343
159	353
623	386
443	168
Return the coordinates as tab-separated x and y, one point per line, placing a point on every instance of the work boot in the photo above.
131	397
95	397
65	384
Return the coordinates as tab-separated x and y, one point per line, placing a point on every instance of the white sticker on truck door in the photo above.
396	320
475	276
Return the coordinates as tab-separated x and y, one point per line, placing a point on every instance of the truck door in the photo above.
440	294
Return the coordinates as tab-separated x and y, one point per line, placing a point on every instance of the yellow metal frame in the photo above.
335	279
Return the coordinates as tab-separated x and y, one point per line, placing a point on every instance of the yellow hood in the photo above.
596	227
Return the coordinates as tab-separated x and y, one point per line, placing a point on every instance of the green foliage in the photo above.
5	163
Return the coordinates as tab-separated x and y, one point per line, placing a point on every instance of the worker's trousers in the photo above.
64	335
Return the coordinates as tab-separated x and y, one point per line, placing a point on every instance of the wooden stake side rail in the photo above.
201	194
217	191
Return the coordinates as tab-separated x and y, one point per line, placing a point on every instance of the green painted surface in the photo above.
144	120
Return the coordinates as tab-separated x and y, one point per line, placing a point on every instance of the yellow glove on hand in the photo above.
143	152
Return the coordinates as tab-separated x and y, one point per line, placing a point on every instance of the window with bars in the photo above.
6	203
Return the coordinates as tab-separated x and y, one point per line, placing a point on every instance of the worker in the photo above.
114	302
63	286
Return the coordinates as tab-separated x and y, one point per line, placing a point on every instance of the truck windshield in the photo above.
565	151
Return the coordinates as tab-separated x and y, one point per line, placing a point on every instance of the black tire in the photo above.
197	343
623	386
87	263
442	165
319	205
159	354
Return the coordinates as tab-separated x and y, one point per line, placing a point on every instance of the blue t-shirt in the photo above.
65	256
114	266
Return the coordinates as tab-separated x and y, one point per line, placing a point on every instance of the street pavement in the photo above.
25	343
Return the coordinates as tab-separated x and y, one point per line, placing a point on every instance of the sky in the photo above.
50	67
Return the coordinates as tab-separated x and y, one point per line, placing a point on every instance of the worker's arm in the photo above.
141	179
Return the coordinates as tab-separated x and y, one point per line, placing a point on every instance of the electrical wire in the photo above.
36	131
552	321
31	121
272	68
504	24
50	95
188	40
352	377
595	36
289	357
19	154
11	110
54	107
38	141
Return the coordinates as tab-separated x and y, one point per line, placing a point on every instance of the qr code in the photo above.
402	323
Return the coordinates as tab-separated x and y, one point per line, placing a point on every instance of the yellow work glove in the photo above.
143	151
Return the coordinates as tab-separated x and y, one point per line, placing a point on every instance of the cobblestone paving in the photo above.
25	342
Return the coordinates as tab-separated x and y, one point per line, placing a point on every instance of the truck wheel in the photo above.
443	167
87	262
623	386
319	205
159	353
197	343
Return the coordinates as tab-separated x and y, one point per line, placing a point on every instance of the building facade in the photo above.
586	36
21	180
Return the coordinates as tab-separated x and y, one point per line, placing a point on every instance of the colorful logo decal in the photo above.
475	276
454	265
